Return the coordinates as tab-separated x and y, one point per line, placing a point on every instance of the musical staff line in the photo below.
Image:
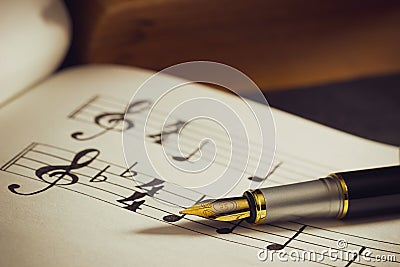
34	148
106	172
249	168
31	147
301	249
79	109
175	225
16	157
355	257
235	225
337	232
108	182
318	236
251	174
122	105
146	215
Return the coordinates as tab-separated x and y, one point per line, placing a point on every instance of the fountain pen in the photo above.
339	195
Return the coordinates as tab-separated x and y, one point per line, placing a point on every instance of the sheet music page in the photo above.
69	198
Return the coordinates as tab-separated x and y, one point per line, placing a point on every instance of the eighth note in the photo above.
260	179
229	230
276	246
61	173
180	158
175	218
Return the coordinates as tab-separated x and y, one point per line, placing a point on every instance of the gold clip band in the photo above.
260	206
345	191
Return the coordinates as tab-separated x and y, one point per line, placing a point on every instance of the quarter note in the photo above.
355	257
60	173
180	158
260	179
229	230
276	246
175	218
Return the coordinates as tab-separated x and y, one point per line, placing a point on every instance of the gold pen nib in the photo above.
228	209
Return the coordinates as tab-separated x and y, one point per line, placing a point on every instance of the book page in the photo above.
70	197
35	36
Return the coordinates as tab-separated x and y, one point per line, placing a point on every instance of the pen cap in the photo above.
372	191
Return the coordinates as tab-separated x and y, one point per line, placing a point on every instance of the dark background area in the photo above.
368	107
336	62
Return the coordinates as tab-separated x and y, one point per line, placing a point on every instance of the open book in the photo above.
70	198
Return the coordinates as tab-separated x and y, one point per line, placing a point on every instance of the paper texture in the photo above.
67	198
35	37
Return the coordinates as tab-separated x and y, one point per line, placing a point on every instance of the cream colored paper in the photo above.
83	224
35	36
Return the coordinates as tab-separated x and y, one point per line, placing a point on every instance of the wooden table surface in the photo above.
338	59
279	44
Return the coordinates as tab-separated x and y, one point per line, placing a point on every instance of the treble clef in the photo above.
110	120
60	174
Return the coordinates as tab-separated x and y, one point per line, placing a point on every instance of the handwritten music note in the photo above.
276	246
187	158
107	177
229	230
355	256
175	218
260	179
101	185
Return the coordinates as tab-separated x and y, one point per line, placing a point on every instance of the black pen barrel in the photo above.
372	191
340	195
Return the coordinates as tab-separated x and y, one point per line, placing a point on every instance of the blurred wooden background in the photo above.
279	44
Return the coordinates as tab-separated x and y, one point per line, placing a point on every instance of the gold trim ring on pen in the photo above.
345	191
261	207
